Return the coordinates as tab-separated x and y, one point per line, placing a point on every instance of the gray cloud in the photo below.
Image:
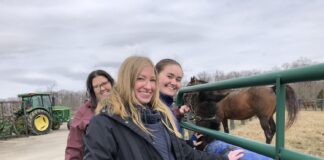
66	73
44	42
108	64
34	81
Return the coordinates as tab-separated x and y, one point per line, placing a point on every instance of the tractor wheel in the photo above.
56	126
39	122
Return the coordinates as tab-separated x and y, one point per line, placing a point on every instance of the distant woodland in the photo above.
305	90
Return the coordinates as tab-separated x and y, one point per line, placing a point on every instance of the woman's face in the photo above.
170	79
101	87
145	85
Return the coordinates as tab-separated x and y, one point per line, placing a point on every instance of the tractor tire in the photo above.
39	122
56	126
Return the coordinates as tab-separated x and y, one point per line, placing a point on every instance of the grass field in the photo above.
306	135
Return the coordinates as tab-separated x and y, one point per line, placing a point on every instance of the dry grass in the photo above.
306	135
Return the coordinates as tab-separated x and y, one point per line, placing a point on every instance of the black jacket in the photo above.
111	137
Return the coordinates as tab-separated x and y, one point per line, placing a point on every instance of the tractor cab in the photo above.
32	101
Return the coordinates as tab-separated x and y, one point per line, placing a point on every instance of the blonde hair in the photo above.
123	101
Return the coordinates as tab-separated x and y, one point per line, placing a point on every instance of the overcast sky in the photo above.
57	43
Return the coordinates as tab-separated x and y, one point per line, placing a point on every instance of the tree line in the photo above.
305	90
309	90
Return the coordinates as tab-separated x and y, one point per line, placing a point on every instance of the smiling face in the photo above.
145	85
170	79
101	87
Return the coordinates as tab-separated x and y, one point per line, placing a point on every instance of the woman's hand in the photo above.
184	109
196	142
236	154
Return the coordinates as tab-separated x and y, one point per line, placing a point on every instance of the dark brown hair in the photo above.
90	90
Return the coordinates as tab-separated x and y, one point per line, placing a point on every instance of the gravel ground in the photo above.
45	147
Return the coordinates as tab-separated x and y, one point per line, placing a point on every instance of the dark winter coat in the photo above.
111	137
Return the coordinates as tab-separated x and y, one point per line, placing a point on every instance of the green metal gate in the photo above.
279	78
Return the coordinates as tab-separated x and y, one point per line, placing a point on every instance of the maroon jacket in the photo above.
75	146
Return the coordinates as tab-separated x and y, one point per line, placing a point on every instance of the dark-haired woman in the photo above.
99	84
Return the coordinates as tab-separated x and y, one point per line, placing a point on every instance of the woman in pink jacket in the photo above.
99	84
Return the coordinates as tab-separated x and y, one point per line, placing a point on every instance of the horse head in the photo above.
203	105
192	99
195	81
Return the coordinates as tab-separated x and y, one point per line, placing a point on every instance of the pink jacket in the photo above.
75	146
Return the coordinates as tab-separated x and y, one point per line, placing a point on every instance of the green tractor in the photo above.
38	114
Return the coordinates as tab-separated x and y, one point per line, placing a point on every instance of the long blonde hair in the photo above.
123	101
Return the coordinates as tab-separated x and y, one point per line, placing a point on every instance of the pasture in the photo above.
305	135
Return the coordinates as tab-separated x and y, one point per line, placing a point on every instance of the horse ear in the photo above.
193	80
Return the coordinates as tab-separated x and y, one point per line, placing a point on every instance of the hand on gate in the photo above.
236	154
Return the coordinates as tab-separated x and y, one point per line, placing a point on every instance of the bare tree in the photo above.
204	76
305	90
219	75
70	98
233	74
50	88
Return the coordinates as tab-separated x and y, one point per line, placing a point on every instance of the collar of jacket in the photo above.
168	100
132	126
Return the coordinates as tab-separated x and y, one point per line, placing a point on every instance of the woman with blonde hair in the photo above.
135	124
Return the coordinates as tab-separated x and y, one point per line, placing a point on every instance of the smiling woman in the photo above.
136	123
145	85
99	84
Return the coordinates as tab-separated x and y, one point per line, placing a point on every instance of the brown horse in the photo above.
240	105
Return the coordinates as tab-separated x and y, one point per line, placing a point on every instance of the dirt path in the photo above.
50	146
